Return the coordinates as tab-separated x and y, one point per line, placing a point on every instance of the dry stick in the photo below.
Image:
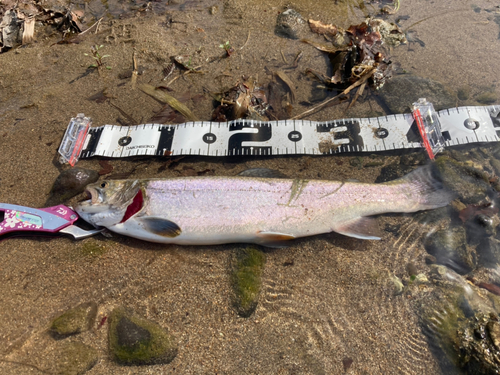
328	101
125	114
248	38
95	23
357	95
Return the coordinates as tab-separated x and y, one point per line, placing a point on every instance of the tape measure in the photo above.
423	128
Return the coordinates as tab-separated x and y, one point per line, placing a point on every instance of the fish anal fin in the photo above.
161	227
274	239
364	227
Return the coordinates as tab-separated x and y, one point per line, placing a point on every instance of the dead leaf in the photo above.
107	168
170	100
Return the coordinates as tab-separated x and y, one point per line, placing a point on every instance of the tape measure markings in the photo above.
286	137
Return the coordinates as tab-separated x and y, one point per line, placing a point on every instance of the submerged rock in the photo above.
400	92
460	321
246	279
469	183
70	183
489	252
449	248
289	24
74	358
138	341
479	345
76	320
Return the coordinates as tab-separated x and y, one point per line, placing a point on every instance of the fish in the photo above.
213	210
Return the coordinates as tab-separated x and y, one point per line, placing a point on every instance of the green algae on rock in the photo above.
138	341
92	248
76	320
246	279
74	358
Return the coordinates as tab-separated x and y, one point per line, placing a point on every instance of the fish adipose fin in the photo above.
364	228
274	239
427	189
161	227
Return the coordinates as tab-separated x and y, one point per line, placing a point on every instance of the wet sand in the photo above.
324	299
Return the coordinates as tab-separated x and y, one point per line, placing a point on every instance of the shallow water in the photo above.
327	304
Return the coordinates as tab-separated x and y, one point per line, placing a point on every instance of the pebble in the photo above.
289	24
76	320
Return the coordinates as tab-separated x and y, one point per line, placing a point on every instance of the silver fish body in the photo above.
267	211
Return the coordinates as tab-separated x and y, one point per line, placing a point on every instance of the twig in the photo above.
248	38
125	114
95	23
328	101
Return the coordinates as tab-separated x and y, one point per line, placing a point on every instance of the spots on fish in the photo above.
333	192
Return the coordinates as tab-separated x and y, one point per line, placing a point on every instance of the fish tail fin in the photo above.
426	188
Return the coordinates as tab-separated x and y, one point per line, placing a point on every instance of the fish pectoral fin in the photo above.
364	227
161	227
274	239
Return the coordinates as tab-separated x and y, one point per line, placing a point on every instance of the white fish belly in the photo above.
235	209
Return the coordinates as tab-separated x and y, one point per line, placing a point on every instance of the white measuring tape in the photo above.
422	128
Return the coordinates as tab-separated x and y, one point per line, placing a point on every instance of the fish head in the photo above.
109	202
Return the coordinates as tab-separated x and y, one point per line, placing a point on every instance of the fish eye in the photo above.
104	184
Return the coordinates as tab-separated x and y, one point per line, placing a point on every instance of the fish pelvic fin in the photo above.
274	239
364	228
161	227
426	188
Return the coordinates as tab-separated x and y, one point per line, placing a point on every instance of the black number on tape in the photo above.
294	136
95	135
209	138
263	134
165	142
382	133
351	134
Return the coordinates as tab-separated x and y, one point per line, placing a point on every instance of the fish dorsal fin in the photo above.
134	207
161	227
262	172
274	239
364	227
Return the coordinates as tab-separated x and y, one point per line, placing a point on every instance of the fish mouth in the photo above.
90	197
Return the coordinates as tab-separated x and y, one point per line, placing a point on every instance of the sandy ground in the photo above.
324	299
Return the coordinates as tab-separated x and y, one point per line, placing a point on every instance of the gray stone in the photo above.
75	320
70	183
401	91
289	24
